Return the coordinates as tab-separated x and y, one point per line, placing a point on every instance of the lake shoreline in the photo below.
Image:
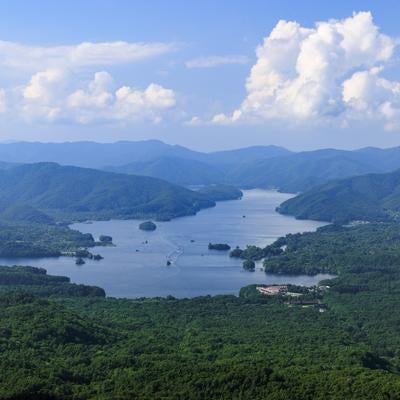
137	266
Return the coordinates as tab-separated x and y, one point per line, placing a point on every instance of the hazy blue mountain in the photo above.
181	171
154	158
82	193
301	171
383	160
91	154
8	165
192	168
245	155
372	197
267	167
251	167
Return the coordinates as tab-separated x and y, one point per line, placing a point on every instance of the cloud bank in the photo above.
46	97
56	91
23	57
333	71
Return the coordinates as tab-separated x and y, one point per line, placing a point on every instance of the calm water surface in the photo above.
195	270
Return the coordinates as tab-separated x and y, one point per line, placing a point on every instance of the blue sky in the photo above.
177	71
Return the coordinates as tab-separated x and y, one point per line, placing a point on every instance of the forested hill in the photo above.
373	197
265	167
74	192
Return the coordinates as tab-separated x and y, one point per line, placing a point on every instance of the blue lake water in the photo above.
195	270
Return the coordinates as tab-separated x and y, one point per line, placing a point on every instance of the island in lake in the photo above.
148	226
219	246
249	265
105	240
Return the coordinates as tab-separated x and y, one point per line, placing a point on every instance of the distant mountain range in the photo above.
181	171
43	191
100	155
90	154
252	167
372	197
269	167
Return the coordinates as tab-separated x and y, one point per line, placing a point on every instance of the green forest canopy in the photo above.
220	347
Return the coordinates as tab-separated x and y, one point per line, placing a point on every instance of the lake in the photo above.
137	265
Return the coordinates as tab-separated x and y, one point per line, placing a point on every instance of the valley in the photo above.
199	200
292	305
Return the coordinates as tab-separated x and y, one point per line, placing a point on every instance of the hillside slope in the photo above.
372	197
302	171
73	192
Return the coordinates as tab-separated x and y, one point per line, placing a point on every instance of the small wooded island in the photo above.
219	246
148	226
249	265
105	239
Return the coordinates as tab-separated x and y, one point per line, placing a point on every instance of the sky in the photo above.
208	75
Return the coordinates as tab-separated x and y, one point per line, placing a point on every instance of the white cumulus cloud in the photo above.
41	84
53	87
97	95
39	98
101	101
333	70
47	97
